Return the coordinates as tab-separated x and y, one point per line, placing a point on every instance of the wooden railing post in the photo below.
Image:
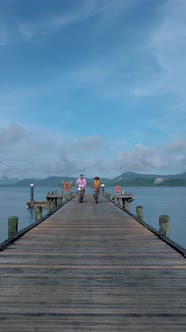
32	195
127	205
12	226
164	225
38	212
102	189
64	199
120	202
59	202
139	212
51	205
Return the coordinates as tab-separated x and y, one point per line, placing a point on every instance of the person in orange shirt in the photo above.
96	185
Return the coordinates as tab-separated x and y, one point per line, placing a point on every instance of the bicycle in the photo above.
96	195
81	193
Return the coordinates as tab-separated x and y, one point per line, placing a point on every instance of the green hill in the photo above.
125	179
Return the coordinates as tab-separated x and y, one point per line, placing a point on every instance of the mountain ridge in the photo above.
124	179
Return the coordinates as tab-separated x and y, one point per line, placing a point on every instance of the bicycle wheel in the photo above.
96	197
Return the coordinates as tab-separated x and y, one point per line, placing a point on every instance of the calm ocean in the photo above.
155	201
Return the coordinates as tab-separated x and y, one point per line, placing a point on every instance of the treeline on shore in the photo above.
133	182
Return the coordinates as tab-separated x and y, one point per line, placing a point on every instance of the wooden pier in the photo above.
123	200
91	267
43	204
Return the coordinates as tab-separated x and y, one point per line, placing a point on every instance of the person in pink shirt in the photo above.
81	182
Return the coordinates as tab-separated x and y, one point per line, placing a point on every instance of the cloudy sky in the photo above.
92	86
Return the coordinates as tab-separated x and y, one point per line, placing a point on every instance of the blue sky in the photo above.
92	86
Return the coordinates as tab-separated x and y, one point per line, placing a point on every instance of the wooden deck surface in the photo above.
91	267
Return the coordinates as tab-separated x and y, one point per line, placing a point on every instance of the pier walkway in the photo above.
91	267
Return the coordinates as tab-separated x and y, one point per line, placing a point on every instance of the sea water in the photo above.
155	201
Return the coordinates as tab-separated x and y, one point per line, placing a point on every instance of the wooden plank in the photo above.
91	267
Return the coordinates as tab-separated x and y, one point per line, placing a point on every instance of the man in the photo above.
81	182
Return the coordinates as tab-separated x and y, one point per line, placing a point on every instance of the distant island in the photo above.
126	179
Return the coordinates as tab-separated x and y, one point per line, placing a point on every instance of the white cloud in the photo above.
28	152
34	152
26	31
81	12
167	48
16	29
154	159
11	135
178	146
140	158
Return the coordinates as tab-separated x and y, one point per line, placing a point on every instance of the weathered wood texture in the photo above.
91	267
